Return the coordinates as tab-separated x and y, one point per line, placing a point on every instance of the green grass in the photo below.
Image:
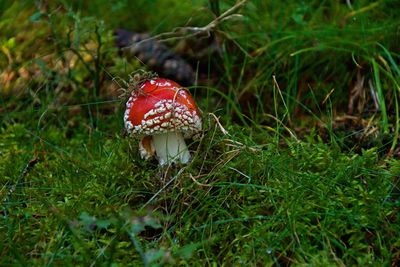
296	181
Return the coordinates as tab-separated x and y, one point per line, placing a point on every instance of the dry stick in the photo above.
374	95
223	130
197	182
163	188
186	32
284	126
328	95
361	10
283	100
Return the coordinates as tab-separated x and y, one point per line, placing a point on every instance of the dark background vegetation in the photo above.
307	172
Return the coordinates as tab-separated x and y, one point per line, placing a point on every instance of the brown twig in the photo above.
187	32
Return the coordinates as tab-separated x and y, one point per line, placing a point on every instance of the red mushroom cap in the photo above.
161	106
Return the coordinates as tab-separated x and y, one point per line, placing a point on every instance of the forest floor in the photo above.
297	163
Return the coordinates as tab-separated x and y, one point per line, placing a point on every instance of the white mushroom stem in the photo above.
171	147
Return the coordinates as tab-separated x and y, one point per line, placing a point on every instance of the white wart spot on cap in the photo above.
166	116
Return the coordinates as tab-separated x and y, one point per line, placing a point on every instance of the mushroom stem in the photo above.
171	147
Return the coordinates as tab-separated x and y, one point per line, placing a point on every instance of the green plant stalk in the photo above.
396	132
293	88
391	60
380	96
390	76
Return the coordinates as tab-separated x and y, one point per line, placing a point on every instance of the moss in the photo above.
295	187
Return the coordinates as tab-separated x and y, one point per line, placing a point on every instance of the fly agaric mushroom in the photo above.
162	113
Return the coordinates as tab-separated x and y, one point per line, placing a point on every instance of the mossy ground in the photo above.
296	180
